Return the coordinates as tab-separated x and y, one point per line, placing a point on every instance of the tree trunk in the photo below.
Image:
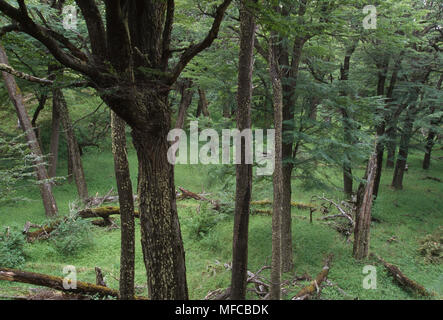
185	102
162	243
54	144
428	149
347	122
243	170
391	146
380	148
40	169
275	75
363	212
74	151
403	149
126	200
202	104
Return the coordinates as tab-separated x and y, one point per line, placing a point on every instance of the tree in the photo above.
129	67
126	200
243	170
40	169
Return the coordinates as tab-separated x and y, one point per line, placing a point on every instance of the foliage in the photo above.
11	249
72	235
203	221
432	247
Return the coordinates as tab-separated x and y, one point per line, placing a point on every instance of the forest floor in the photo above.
404	218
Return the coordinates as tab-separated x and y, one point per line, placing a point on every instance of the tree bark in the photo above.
74	151
274	72
363	212
126	200
243	170
202	106
54	144
185	102
40	169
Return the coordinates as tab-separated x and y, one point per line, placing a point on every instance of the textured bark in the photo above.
275	75
126	200
162	243
202	106
185	102
243	170
40	169
74	151
54	144
363	212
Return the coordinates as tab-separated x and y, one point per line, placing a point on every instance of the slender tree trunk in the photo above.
383	69
54	144
185	102
74	151
126	200
289	100
40	169
403	149
363	213
347	122
275	292
430	140
243	170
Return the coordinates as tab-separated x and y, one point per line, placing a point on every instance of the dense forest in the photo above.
221	150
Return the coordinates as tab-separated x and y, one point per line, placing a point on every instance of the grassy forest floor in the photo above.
408	215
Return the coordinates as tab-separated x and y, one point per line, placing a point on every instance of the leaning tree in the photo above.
126	57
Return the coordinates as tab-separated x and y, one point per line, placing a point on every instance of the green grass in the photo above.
409	215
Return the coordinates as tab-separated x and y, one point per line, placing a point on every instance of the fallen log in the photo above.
403	280
189	194
432	178
43	232
314	286
299	205
56	283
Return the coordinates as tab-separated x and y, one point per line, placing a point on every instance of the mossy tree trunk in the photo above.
126	200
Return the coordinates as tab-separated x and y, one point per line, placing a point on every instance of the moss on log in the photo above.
403	280
56	283
310	289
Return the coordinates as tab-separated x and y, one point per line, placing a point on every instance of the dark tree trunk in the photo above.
380	129
54	144
161	239
243	170
40	169
288	127
430	140
403	149
363	211
74	151
185	102
347	122
126	200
